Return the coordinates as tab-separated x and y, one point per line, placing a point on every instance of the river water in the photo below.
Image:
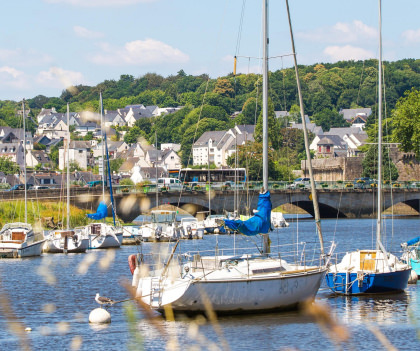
54	294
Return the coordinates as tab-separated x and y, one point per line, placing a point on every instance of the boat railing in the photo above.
365	263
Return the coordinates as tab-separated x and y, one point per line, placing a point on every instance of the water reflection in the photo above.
378	309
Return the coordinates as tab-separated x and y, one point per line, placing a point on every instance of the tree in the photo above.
406	122
370	164
329	118
132	136
249	157
273	128
7	166
250	111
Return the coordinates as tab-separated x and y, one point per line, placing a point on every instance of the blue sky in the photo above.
46	45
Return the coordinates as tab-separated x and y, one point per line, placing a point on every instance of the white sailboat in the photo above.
371	271
103	235
66	240
233	283
163	227
17	239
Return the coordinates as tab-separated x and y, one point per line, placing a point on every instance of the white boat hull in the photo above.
105	241
57	246
31	250
231	289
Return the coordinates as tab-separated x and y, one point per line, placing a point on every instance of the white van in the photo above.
170	183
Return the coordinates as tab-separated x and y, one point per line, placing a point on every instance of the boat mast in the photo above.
265	237
265	95
379	205
24	159
103	147
305	134
68	167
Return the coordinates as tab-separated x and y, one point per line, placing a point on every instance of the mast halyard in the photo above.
103	147
68	166
379	205
24	160
305	133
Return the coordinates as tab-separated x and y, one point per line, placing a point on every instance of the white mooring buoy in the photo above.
99	316
413	277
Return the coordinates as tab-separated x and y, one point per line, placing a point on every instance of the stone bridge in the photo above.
344	203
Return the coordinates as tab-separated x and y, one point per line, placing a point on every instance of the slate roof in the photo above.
345	130
215	136
350	113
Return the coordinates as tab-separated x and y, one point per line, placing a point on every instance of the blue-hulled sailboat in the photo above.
371	271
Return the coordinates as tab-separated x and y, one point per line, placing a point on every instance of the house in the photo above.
113	118
86	127
171	160
216	146
79	152
13	151
14	135
38	158
45	112
349	114
133	114
312	127
171	146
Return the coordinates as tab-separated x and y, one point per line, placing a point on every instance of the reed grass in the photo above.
14	211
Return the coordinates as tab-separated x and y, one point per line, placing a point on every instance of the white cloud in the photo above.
86	33
57	77
98	3
139	53
412	36
25	58
347	52
12	78
341	32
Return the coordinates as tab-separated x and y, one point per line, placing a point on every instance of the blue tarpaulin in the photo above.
101	212
260	223
413	241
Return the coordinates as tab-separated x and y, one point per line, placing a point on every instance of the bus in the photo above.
220	175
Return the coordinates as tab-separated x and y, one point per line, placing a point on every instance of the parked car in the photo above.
20	187
170	183
300	183
40	187
94	184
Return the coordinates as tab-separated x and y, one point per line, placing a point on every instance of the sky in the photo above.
48	45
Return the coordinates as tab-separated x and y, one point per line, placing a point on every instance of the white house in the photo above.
78	153
216	146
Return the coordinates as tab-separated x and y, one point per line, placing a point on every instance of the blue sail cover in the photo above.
101	212
260	223
413	241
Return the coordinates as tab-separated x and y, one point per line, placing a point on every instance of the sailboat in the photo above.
231	282
371	271
66	240
17	239
103	235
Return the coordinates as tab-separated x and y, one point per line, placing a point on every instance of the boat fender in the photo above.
136	277
412	279
132	263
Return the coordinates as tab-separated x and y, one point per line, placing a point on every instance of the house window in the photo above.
328	148
319	148
172	157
